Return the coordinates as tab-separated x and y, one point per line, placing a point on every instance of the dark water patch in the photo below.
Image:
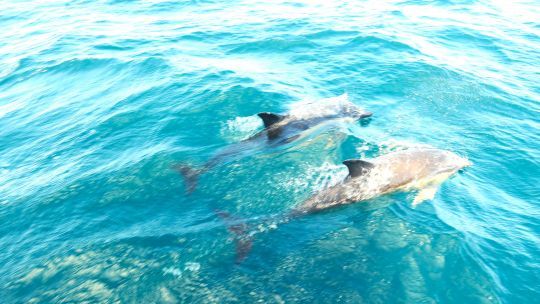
278	44
331	34
294	4
208	36
123	45
76	65
304	58
331	38
7	18
375	45
288	26
456	34
23	71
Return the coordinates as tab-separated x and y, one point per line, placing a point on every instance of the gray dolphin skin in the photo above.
422	169
279	129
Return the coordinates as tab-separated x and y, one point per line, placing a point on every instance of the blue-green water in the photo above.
98	99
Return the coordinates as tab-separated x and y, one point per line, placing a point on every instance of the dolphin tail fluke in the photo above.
242	237
191	176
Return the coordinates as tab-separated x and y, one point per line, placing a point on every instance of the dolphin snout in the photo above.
361	113
366	114
463	163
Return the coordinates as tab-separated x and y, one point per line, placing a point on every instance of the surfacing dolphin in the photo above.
422	169
280	129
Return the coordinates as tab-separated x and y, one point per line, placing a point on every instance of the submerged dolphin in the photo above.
279	129
422	169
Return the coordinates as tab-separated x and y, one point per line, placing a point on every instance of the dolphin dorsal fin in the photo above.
270	118
357	167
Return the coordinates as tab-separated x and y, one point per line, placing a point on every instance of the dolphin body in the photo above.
279	129
422	169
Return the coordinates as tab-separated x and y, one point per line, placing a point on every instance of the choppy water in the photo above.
98	99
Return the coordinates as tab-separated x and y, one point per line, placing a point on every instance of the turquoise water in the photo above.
99	99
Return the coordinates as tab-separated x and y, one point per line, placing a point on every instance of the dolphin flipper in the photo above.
191	176
425	194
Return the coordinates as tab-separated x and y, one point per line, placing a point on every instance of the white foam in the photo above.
173	271
326	175
240	127
192	266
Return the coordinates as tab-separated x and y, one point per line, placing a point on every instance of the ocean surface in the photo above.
99	100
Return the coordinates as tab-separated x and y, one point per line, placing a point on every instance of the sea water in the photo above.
99	100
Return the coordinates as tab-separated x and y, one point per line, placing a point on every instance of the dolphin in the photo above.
279	129
422	169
